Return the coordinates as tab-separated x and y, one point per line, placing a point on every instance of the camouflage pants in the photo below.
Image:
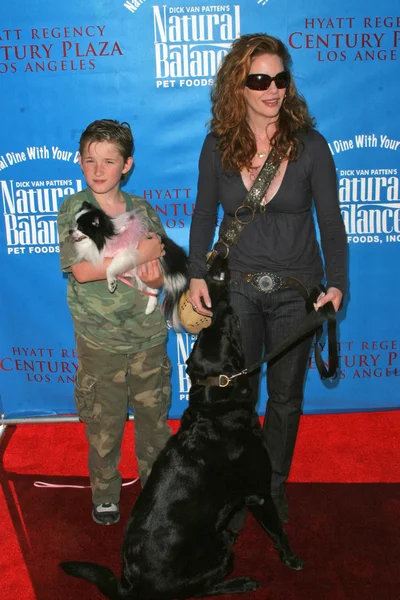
106	384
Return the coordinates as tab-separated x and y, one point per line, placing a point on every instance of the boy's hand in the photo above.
150	248
150	273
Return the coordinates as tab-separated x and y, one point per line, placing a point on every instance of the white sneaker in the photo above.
106	513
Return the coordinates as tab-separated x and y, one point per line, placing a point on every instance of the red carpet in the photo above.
344	498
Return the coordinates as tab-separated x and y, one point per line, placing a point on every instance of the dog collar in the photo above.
220	380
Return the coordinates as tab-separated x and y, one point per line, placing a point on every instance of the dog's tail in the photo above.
103	577
175	267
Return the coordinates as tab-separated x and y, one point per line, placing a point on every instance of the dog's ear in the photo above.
86	205
218	348
194	364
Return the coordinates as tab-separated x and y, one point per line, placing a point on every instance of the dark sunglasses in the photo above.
261	81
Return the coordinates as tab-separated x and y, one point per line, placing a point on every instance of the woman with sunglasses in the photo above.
256	107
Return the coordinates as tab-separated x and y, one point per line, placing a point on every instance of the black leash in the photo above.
329	311
313	322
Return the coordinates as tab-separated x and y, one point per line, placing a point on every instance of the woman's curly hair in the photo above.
236	140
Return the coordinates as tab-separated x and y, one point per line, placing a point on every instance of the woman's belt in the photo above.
268	282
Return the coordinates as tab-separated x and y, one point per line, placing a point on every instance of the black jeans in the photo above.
266	320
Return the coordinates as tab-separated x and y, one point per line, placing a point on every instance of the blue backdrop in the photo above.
62	65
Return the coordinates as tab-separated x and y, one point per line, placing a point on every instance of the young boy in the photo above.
122	358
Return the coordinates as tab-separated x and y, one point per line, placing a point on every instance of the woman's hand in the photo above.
150	248
332	295
151	274
198	290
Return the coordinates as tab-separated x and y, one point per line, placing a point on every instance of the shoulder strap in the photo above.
250	203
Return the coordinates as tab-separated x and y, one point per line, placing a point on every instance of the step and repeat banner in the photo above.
63	65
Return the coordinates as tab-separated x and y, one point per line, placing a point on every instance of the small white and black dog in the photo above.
98	236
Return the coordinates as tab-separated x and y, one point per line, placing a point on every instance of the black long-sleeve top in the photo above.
283	238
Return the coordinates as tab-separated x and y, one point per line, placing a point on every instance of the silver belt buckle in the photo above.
265	283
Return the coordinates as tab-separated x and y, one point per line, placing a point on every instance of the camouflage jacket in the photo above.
115	322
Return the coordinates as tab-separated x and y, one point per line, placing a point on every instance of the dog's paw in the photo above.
293	562
112	284
151	304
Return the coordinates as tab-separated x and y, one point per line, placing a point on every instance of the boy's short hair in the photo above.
109	130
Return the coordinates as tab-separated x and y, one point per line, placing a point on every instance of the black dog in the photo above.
179	539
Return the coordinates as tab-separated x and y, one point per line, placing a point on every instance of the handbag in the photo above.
192	321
